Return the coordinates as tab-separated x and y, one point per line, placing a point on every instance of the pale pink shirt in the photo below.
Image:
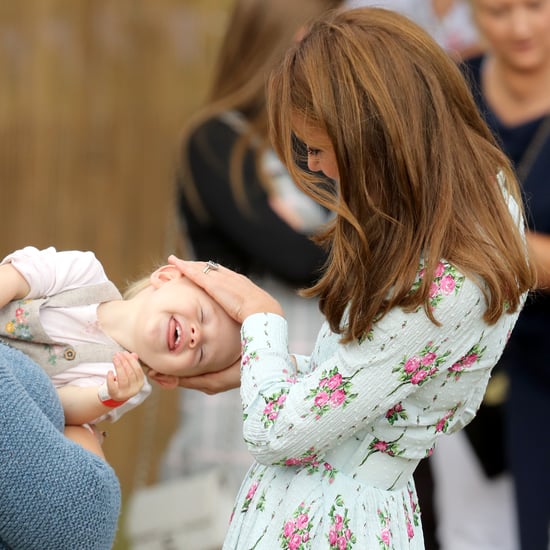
49	272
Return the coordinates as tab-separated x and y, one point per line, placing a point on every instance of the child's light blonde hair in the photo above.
135	287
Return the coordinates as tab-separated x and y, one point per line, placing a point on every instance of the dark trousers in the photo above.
425	488
528	448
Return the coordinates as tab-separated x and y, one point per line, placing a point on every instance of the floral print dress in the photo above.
337	439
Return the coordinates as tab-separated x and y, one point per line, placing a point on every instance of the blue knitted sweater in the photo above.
54	495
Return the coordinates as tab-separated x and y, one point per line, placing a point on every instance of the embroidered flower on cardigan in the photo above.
18	327
473	356
384	538
390	448
395	413
446	281
442	424
247	357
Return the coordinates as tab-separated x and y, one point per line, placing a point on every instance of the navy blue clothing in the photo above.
527	355
534	321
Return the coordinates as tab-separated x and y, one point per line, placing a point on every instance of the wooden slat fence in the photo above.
93	94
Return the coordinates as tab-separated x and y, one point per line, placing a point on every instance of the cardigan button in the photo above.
69	354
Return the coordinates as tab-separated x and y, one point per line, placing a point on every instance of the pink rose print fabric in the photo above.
333	391
336	445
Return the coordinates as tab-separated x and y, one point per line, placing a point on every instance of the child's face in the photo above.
181	330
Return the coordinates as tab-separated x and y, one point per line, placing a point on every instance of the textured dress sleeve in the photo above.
351	386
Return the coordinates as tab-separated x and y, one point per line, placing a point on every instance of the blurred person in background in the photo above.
448	21
238	206
511	85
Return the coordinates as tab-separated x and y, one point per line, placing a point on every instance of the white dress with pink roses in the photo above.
336	440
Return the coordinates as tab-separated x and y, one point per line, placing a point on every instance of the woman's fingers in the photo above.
237	294
214	382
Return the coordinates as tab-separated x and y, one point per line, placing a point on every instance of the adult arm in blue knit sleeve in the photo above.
53	493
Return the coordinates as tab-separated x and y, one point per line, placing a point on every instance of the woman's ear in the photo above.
164	274
167	381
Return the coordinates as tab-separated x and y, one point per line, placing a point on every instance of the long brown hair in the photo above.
258	34
417	168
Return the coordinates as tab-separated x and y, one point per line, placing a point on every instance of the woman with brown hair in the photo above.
426	274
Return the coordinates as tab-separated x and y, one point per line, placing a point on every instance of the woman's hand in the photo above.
214	382
237	294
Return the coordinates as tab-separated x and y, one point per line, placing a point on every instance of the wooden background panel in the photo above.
92	98
93	95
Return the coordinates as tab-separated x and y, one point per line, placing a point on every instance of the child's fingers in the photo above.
133	370
121	369
128	378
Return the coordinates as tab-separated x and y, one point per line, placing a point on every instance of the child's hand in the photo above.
128	378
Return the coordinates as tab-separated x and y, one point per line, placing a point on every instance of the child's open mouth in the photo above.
174	334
